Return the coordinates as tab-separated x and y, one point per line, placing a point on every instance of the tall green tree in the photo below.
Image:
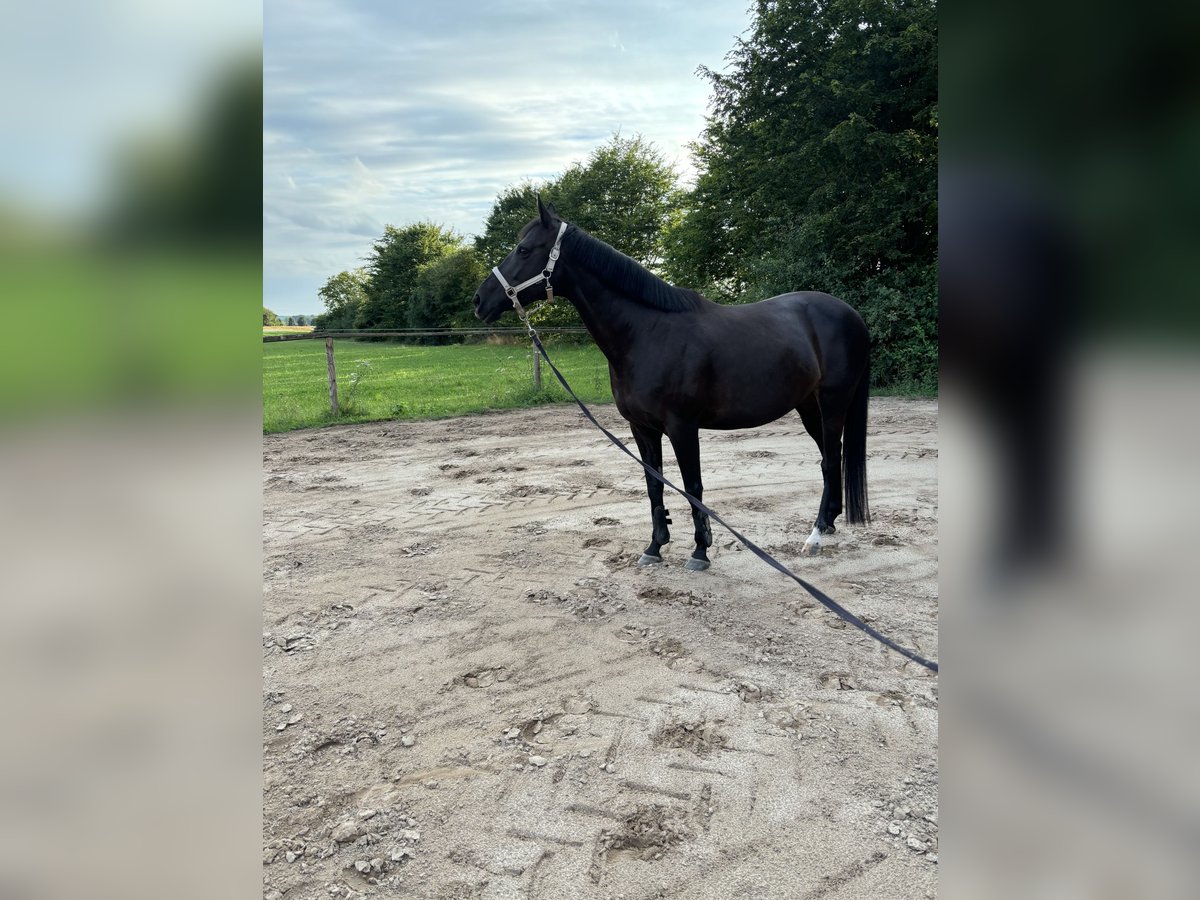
199	187
624	193
513	208
392	268
441	297
269	318
818	168
343	295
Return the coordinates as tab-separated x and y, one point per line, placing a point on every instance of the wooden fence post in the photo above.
537	370
333	401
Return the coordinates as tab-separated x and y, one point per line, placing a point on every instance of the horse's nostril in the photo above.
477	301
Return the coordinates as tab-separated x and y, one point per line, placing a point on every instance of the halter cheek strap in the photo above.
511	291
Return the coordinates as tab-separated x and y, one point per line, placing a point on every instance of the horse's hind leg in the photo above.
649	444
810	415
824	416
685	440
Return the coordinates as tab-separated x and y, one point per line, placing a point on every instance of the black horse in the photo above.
679	363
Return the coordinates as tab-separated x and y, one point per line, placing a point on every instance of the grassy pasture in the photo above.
398	381
95	330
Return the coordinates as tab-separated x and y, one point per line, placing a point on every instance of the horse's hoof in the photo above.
810	550
697	565
648	560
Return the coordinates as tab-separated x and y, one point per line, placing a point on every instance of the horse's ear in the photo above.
545	213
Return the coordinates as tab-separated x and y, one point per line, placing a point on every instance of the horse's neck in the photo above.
612	319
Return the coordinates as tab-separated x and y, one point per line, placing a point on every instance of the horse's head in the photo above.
525	272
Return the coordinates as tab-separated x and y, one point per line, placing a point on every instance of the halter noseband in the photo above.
545	274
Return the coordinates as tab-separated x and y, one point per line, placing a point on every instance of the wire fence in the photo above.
401	333
413	333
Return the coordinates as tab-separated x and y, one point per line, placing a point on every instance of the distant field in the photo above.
287	329
417	382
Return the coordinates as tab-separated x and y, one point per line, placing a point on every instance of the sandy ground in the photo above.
471	691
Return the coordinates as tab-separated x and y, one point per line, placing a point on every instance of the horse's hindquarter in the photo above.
834	330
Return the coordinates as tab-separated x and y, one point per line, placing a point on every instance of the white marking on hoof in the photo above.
648	560
697	565
813	545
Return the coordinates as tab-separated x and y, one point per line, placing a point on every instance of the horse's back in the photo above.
821	308
833	326
810	317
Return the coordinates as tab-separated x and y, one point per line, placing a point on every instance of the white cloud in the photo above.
381	113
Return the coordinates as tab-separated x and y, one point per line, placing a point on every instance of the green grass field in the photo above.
417	382
92	330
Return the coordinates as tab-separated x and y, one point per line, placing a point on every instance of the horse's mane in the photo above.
625	274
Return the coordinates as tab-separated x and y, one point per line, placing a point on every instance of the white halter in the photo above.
545	274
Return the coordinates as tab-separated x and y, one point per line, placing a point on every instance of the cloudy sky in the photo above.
392	112
79	79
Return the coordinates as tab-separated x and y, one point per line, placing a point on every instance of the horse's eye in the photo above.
522	250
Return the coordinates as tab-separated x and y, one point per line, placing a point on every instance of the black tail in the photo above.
854	452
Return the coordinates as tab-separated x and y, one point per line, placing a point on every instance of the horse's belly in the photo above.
657	409
732	420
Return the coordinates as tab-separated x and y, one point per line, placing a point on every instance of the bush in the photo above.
442	295
899	307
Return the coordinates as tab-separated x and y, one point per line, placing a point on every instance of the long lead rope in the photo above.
826	601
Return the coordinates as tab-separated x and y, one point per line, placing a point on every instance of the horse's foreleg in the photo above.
686	443
649	444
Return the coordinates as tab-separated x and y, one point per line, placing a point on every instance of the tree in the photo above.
343	295
392	269
442	295
818	168
202	186
624	194
269	318
514	207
